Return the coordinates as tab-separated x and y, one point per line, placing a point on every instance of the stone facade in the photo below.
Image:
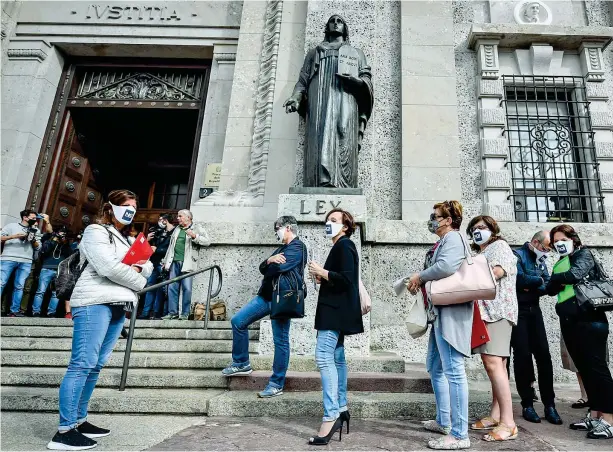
436	131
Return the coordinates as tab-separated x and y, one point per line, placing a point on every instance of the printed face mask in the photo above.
281	233
433	226
481	236
333	229
123	214
564	247
541	256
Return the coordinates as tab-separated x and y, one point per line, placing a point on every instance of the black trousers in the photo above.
587	345
530	338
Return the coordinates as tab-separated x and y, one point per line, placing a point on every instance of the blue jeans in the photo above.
154	298
330	358
173	291
22	271
448	375
45	278
252	312
95	333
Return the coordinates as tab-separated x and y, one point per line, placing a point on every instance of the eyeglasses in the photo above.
546	249
436	217
480	227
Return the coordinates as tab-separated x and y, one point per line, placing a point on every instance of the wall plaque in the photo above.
212	175
133	12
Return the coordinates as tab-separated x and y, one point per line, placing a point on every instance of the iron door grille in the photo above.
553	163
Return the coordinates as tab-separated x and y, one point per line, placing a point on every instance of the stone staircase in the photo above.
175	368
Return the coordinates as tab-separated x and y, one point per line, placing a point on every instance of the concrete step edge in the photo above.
178	324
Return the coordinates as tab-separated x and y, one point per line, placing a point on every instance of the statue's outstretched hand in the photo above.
291	105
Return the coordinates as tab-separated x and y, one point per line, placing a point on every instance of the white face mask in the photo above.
541	256
481	236
161	225
281	233
333	229
564	247
123	214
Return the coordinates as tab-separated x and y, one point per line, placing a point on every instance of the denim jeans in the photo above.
448	375
22	271
45	278
330	358
173	291
95	333
252	312
155	298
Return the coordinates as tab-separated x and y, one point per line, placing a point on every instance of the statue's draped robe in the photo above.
335	118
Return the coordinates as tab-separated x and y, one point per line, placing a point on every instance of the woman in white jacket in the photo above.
105	289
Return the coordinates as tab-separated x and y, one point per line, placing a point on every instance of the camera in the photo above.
30	234
157	231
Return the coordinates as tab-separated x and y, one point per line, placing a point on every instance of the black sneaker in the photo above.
71	440
36	314
16	314
91	431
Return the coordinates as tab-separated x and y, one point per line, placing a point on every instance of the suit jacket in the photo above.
338	305
530	275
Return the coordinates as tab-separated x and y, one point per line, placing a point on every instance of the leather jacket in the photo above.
582	264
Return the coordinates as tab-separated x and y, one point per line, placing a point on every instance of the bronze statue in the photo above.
335	93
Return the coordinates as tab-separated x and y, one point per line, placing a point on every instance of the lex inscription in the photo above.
321	207
107	12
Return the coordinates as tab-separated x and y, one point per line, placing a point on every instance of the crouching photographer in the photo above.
159	238
55	249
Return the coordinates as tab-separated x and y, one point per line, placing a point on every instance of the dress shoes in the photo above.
529	414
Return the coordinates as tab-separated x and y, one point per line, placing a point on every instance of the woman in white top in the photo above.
106	288
499	315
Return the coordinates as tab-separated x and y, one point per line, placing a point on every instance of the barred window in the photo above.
551	145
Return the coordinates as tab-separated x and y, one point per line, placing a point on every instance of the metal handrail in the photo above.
209	295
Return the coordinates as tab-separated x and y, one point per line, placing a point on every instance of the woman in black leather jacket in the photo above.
585	331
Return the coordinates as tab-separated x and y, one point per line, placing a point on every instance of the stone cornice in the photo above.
561	37
26	54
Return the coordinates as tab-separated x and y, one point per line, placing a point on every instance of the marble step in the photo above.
412	381
179	324
139	345
379	362
139	333
236	403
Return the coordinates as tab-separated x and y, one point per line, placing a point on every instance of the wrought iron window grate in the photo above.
553	163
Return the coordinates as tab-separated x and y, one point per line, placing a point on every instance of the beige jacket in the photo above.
191	248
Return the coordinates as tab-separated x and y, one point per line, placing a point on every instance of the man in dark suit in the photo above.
290	257
529	336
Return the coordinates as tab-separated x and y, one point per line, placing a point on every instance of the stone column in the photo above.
430	143
595	72
493	144
215	121
30	78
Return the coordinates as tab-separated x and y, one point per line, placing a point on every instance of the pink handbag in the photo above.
474	280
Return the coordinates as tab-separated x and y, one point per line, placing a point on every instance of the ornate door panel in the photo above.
77	200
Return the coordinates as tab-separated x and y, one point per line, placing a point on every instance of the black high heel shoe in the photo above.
345	416
324	440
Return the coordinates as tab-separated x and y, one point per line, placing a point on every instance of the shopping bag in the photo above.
417	321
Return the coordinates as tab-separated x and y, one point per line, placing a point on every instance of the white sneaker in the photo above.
602	430
445	443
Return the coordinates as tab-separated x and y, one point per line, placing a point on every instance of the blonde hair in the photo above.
453	210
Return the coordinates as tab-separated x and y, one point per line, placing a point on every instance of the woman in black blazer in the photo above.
338	315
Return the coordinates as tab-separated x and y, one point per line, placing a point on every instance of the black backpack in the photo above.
69	271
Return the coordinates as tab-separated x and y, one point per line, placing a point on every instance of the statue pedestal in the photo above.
309	205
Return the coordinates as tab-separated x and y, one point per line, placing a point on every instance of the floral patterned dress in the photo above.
504	306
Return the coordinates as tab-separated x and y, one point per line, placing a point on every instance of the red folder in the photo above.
480	335
139	252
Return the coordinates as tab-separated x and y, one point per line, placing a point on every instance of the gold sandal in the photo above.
494	435
487	423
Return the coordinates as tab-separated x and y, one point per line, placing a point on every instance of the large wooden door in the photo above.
75	200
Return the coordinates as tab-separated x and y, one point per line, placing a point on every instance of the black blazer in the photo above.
338	305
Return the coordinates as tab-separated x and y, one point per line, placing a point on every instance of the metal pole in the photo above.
126	357
208	301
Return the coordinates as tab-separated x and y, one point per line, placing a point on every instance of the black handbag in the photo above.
596	293
288	303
